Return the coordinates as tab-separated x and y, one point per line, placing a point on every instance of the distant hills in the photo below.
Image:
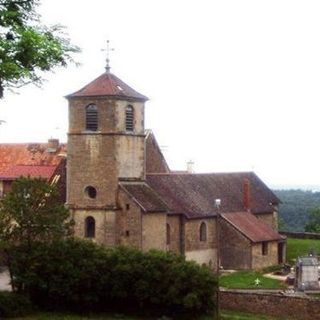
295	206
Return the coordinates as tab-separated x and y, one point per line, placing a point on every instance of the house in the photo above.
121	191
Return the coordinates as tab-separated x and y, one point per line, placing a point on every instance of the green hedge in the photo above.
14	305
79	275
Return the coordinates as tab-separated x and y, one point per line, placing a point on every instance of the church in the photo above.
120	190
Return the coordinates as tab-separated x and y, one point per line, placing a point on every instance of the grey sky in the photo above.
233	85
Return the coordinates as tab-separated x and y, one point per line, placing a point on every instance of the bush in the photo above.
80	275
14	305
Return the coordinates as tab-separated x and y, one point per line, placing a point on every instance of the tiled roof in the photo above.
155	161
194	194
252	227
145	197
108	85
32	171
19	158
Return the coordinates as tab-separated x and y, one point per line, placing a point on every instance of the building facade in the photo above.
121	191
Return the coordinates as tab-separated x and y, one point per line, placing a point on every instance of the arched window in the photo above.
92	117
203	232
129	118
168	234
90	227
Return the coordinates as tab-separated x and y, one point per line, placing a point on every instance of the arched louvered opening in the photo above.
92	117
203	232
129	118
90	227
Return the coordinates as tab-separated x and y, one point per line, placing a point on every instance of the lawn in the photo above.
246	280
301	247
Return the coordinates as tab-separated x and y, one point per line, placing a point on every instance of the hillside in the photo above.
295	206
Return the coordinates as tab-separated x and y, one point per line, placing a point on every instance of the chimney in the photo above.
190	166
53	145
246	194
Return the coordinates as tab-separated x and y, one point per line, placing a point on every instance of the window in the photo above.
203	232
168	234
90	227
264	248
92	117
91	192
129	118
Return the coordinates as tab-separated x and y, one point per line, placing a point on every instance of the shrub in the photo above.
14	305
81	275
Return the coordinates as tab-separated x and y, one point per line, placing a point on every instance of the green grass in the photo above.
301	247
246	280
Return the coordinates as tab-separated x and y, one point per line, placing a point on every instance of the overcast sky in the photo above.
233	85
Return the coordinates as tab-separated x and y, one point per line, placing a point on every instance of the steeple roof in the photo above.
108	85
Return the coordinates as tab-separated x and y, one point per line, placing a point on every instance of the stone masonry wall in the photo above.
260	261
174	223
104	225
91	163
268	218
235	248
154	231
128	222
271	304
203	252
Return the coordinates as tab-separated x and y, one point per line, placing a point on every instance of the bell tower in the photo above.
106	142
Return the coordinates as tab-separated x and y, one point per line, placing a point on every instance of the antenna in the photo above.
108	50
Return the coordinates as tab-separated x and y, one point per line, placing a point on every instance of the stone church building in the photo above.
121	191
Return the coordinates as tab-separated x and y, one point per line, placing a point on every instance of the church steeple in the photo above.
106	143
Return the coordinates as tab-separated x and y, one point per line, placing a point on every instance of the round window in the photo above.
91	192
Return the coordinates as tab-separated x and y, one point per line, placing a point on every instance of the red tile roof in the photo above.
145	197
108	85
32	171
251	227
194	194
32	158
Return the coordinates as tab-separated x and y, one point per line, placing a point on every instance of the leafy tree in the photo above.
313	225
32	211
27	48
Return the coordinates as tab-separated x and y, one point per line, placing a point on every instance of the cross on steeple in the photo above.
108	55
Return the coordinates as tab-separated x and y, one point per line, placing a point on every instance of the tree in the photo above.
27	49
32	211
313	225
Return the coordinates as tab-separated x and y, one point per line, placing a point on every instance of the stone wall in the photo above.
269	218
260	261
203	252
175	229
301	235
235	248
272	304
128	222
154	231
104	225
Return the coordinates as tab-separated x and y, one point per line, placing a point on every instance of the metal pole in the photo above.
217	205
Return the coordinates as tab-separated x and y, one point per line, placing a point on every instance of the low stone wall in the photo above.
275	304
300	235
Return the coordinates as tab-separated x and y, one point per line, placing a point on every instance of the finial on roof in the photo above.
108	56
